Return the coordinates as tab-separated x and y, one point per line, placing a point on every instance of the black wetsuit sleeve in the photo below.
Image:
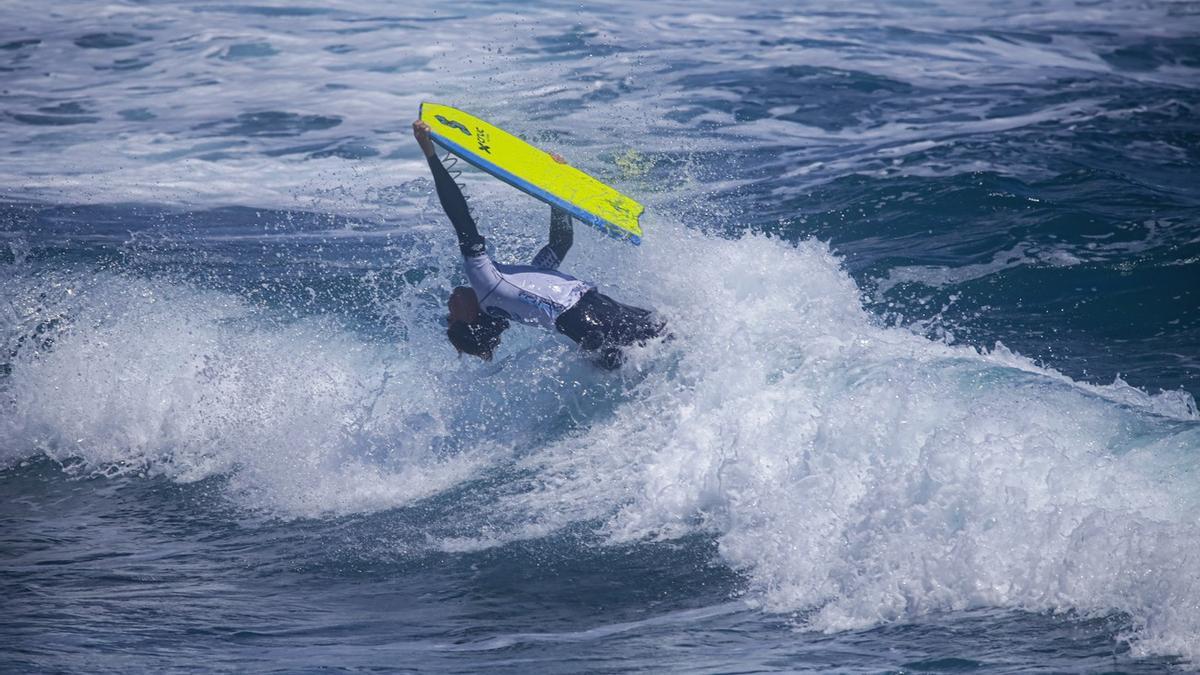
562	235
470	242
551	255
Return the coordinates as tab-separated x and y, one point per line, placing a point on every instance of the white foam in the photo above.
150	378
858	470
875	475
371	69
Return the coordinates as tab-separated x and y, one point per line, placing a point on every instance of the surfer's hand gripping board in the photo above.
421	132
534	171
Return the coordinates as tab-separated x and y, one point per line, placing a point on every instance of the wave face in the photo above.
928	401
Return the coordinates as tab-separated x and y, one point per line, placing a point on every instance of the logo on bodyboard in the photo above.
482	138
453	124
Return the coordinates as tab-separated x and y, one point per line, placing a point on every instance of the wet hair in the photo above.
478	338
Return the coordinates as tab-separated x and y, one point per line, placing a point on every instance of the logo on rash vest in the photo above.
549	307
454	124
482	138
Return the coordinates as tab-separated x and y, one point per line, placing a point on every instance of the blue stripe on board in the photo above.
525	186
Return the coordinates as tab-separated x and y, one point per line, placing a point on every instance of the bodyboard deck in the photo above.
534	171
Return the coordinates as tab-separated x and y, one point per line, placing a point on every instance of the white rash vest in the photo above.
535	294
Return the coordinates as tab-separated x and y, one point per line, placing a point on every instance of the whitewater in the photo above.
929	404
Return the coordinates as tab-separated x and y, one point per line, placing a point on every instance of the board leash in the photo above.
449	161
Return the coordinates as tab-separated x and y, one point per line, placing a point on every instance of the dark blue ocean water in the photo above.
933	270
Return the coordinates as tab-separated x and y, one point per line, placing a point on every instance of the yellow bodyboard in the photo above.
534	171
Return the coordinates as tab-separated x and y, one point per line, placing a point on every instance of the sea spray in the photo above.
866	474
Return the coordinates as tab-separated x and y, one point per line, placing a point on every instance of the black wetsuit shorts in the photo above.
602	325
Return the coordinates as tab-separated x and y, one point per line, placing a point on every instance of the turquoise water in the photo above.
932	271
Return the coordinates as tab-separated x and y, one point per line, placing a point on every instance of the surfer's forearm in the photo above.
470	242
453	203
562	234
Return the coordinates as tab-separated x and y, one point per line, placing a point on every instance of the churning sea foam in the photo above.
854	472
868	474
148	377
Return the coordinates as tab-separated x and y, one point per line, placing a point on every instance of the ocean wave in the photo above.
859	472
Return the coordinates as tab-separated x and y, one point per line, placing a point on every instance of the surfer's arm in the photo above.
470	242
561	237
562	234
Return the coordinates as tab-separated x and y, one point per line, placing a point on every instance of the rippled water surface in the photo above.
933	272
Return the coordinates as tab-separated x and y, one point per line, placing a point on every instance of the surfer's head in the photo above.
463	304
472	331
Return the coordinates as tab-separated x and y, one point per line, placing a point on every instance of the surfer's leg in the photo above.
602	326
625	324
582	323
609	358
